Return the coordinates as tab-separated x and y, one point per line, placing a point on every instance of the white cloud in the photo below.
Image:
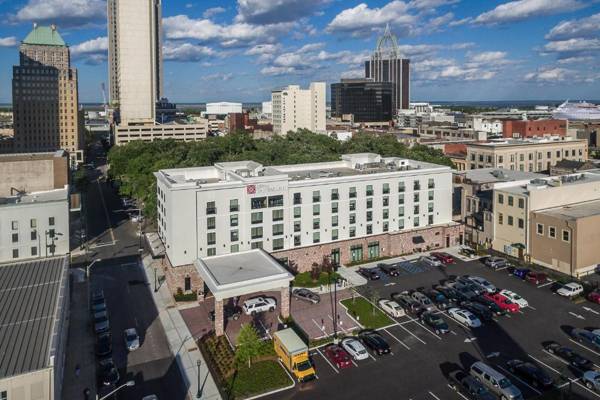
523	9
211	12
576	28
186	52
353	73
550	75
488	57
70	13
9	41
576	60
573	46
277	71
219	76
362	20
92	52
276	11
425	4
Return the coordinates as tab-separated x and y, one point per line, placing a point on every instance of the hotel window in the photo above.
297	198
14	225
510	220
256	232
369	190
234	206
352	219
256	217
334	208
256	245
316	209
297	240
276	201
210	223
540	229
521	157
352	231
258	202
334	220
369	216
430	207
316	237
234	248
430	219
566	236
369	203
352	192
352	205
15	253
431	181
297	226
369	229
34	251
33	223
234	235
334	194
278	244
500	159
51	221
511	201
400	199
33	235
430	195
334	234
401	211
416	185
386	201
316	223
211	238
401	187
277	215
521	202
500	219
521	223
386	188
386	226
386	213
233	220
210	208
15	237
500	199
416	209
316	196
416	222
277	229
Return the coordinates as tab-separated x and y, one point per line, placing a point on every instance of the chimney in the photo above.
34	25
53	27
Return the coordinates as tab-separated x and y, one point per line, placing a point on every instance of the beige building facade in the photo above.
295	108
531	155
33	172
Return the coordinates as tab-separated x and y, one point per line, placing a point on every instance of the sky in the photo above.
239	50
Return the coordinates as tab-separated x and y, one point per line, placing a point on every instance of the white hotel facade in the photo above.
362	207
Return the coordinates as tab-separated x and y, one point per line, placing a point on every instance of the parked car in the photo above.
407	302
495	262
470	285
259	304
109	374
479	310
97	294
306	295
467	252
521	272
568	355
437	298
423	300
430	261
591	380
493	307
337	356
451	294
503	302
537	278
464	317
230	312
101	322
355	348
594	296
374	341
98	305
483	283
369	273
530	373
570	290
495	381
586	337
389	269
392	308
435	322
132	340
465	291
445	258
104	344
515	298
469	386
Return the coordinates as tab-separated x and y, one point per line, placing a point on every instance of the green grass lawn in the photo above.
261	377
364	309
304	280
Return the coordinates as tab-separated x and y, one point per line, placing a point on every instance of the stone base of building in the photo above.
183	279
391	244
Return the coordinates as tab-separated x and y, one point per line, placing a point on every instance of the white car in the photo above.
392	308
465	317
259	304
515	298
355	348
132	340
431	261
570	290
483	283
423	300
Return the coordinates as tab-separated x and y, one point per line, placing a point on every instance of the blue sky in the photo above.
238	50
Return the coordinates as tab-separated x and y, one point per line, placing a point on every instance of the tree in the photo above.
373	297
248	344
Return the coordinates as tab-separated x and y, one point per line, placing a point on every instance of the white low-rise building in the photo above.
362	207
223	108
34	225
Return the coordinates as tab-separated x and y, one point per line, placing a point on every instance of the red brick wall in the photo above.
534	128
455	148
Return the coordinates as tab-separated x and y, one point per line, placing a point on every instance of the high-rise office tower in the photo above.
135	58
295	108
386	65
45	96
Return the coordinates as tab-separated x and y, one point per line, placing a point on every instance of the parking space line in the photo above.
585	347
354	362
328	362
457	392
501	269
434	396
413	335
398	340
575	381
520	380
533	308
371	355
545	284
424	327
544	364
570	381
321	328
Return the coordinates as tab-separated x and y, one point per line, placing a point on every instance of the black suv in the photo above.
374	341
389	269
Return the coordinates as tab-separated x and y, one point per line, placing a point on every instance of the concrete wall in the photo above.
506	234
37	385
32	174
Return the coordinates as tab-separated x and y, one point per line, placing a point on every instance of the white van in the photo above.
495	381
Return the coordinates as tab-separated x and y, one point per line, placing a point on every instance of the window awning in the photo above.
418	240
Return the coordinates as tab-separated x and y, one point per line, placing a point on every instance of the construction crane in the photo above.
104	103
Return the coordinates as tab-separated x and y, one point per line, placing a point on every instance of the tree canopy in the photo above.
133	164
248	344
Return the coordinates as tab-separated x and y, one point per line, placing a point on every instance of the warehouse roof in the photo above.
32	297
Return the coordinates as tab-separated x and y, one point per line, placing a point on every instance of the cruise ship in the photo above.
582	111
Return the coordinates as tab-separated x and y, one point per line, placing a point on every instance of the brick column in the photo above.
285	302
219	321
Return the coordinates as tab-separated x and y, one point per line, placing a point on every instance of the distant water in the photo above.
507	103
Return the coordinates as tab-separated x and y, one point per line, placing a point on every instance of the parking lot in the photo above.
420	359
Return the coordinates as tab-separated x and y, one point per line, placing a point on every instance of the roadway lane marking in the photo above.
328	362
434	396
398	340
585	347
458	393
413	335
520	380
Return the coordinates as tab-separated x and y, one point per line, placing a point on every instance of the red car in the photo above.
536	278
594	297
338	356
443	257
503	302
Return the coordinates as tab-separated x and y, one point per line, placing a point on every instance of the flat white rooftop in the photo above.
35	197
527	142
571	180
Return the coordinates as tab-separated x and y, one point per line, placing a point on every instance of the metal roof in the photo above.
32	294
44	36
291	340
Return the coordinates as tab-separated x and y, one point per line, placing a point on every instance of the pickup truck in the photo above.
469	386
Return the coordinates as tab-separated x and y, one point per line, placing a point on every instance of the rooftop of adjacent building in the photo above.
32	156
359	164
494	175
30	304
35	197
528	141
588	177
574	211
44	36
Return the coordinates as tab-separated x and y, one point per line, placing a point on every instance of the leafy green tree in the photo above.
248	345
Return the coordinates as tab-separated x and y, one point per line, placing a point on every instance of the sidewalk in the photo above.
182	345
80	343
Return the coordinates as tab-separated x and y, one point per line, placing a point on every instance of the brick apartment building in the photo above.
531	128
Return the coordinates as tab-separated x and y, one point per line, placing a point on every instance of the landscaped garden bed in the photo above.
366	313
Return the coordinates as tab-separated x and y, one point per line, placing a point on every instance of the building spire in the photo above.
388	43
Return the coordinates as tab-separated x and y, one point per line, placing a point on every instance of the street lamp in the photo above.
89	267
52	246
198	392
128	383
